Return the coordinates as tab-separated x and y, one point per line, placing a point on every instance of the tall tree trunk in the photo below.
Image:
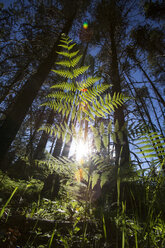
57	149
36	126
132	55
44	138
121	148
18	112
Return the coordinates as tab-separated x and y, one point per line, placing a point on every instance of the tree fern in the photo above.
78	97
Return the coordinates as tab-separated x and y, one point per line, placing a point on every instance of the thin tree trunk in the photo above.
57	149
138	107
36	126
133	57
18	112
121	148
44	138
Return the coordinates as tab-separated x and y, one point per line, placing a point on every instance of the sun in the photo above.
81	149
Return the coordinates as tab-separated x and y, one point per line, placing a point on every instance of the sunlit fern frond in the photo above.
152	146
65	86
101	107
67	46
90	81
58	107
56	130
75	61
64	73
62	96
69	55
78	71
65	63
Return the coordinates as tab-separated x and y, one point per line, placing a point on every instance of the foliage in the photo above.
78	98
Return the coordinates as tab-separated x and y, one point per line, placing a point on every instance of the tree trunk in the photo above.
36	126
57	149
44	138
121	147
18	112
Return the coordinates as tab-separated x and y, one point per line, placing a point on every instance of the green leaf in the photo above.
98	143
105	140
75	61
102	128
80	71
95	179
64	73
65	63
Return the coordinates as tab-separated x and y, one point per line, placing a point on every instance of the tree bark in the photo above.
121	148
44	138
36	126
18	112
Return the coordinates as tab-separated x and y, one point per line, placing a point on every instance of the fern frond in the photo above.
75	61
151	146
69	55
101	129
64	46
77	72
88	82
62	96
66	40
63	73
71	46
65	86
65	63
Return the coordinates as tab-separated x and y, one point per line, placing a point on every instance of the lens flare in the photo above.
85	25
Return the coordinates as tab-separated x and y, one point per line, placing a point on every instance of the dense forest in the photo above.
82	124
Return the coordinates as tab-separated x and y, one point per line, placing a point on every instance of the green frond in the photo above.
65	63
71	46
63	73
68	97
48	129
113	136
101	128
69	55
105	140
75	61
65	86
66	40
98	143
152	145
95	179
109	129
80	71
88	82
104	178
64	46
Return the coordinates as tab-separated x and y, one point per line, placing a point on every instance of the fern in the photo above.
152	146
92	97
79	98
